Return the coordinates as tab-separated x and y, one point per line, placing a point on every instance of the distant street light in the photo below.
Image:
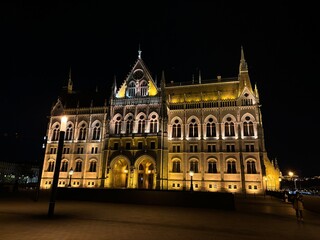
70	175
290	174
54	186
191	184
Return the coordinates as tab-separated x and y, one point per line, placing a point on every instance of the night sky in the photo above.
41	40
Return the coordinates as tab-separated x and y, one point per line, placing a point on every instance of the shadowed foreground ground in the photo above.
253	218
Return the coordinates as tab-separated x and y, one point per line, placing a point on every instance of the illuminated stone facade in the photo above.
151	137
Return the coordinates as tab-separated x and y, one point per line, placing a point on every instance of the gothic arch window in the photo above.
96	132
212	166
55	133
93	166
117	125
211	128
193	128
248	127
194	166
176	129
231	166
132	89
176	166
251	167
153	124
64	166
50	166
141	124
144	88
69	132
129	125
78	166
229	128
82	132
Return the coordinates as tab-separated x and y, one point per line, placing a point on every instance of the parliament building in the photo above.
204	135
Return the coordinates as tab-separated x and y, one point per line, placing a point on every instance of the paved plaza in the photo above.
253	218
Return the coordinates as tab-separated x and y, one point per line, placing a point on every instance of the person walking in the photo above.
298	205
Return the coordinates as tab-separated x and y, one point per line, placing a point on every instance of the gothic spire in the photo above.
139	52
243	64
70	84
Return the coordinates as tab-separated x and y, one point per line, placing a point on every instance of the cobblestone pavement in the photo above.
254	218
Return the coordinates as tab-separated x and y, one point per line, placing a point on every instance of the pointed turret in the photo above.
163	81
139	53
199	77
114	86
70	84
244	79
256	90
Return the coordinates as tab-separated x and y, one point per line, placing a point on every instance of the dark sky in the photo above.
41	40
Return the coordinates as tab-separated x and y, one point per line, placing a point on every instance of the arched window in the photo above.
193	128
231	166
229	128
144	88
129	124
176	129
78	166
117	125
211	128
82	132
194	166
141	124
251	167
176	166
55	133
50	166
248	127
93	166
212	167
96	132
69	132
64	166
132	89
153	124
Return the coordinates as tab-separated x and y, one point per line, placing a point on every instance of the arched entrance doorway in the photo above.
120	171
146	172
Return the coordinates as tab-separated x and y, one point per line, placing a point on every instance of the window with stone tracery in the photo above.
144	88
211	128
248	127
96	132
132	89
176	129
229	128
193	128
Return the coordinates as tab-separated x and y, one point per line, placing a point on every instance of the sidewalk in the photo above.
254	218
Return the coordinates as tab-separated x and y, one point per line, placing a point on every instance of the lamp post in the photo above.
70	177
54	185
191	184
44	144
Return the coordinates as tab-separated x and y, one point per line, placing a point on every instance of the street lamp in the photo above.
191	176
54	186
70	175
